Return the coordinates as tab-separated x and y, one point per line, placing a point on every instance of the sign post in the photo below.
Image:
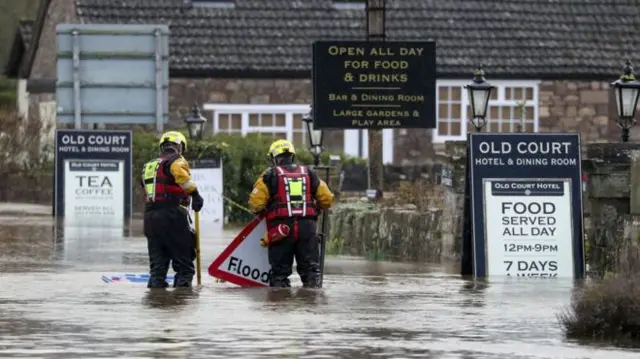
373	86
207	174
93	178
526	195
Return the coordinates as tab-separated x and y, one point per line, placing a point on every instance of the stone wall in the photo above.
400	233
564	106
613	239
183	93
583	106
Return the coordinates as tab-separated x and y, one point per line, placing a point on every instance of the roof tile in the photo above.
533	38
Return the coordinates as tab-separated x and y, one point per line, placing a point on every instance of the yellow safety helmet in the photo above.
174	137
280	147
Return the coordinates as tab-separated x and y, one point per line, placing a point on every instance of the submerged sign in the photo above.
207	174
527	205
94	192
93	177
244	262
374	85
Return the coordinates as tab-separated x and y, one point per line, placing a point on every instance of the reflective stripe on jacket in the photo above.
293	197
159	184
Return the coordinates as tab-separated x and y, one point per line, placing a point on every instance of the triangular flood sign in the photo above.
244	262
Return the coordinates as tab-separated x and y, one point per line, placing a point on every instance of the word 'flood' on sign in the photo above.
526	205
374	85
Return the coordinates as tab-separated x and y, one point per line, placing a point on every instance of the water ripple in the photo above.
54	305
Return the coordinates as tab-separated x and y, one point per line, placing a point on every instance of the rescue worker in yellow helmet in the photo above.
167	184
291	196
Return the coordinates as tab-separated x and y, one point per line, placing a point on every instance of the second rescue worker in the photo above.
168	185
291	196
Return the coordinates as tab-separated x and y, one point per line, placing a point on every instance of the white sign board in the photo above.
94	193
529	227
244	262
209	182
93	176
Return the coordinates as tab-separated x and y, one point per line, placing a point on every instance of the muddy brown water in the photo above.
53	304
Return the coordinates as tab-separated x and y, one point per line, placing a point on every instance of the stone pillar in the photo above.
453	180
614	195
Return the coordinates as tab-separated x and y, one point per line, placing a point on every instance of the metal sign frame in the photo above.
61	157
112	74
530	172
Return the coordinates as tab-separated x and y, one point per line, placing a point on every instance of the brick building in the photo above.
248	62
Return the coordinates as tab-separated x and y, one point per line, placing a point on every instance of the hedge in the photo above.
605	311
244	158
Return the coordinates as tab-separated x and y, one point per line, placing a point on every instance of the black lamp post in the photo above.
315	138
195	123
479	92
315	147
626	90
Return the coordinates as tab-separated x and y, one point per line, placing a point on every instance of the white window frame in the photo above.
350	146
245	110
500	85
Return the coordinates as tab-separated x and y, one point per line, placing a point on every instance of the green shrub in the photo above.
7	94
335	246
244	158
26	166
606	311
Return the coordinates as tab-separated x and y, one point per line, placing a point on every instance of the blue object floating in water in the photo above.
130	278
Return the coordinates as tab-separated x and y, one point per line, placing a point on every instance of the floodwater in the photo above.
53	304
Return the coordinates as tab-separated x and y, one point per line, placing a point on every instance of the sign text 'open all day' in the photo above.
373	85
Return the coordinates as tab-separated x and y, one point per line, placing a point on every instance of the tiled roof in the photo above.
587	39
554	38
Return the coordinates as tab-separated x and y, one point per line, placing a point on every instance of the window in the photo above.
349	4
279	121
505	111
285	121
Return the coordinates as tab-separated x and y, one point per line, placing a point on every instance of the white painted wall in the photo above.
48	134
22	98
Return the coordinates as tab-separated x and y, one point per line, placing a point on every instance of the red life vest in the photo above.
157	177
293	197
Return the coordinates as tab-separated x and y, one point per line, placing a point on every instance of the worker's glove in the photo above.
275	234
196	201
185	201
264	241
